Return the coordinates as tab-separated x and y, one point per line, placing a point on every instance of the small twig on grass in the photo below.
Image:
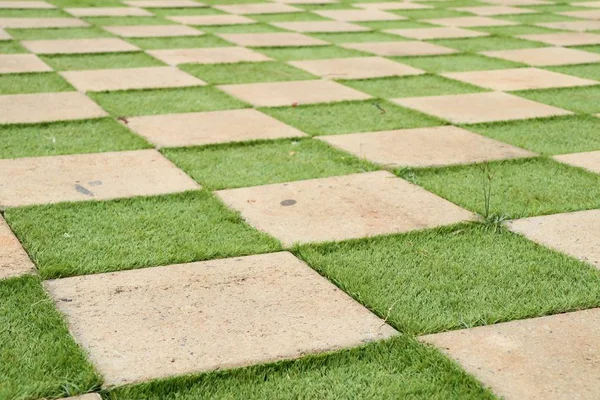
389	311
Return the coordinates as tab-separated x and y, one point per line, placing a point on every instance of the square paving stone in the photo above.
517	2
490	11
404	48
578	26
550	357
565	38
257	8
4	35
289	93
480	107
320	26
519	79
130	78
392	6
209	20
545	56
47	107
274	39
208	55
178	319
588	160
307	1
194	129
143	31
574	233
108	12
355	68
436	33
20	63
14	261
164	4
425	147
78	46
359	15
340	208
586	14
592	4
23	5
32	23
469	22
78	177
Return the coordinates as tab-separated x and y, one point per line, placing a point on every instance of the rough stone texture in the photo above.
208	55
13	258
164	3
355	68
141	31
404	48
89	396
193	129
273	94
4	35
27	23
359	15
307	1
554	357
565	38
546	56
79	46
425	147
130	78
577	26
436	33
480	107
321	26
108	12
22	5
592	4
210	20
257	8
392	6
272	39
47	107
589	160
20	63
469	22
517	2
178	319
100	176
494	10
340	208
519	79
591	14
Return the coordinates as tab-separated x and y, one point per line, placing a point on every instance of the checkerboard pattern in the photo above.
398	199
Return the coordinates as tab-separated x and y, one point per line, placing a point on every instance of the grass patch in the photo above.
580	99
87	3
89	237
587	71
591	48
11	47
357	37
287	17
118	21
244	28
431	14
488	43
515	30
38	357
407	24
171	12
32	13
182	42
33	83
65	62
455	278
308	53
532	19
457	63
58	33
165	101
246	72
67	137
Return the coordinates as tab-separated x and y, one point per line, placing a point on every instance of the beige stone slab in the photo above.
321	26
436	33
14	261
359	15
22	5
130	78
79	46
517	2
469	22
546	56
257	8
355	68
274	94
519	79
142	31
404	5
589	160
47	107
194	129
79	177
272	39
89	396
20	63
577	26
212	20
480	107
4	35
108	12
208	55
340	208
164	4
403	48
179	319
564	38
27	23
307	1
489	11
586	14
591	4
425	147
553	357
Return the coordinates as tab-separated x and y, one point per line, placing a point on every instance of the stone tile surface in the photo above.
489	11
31	23
404	5
577	26
404	48
178	319
165	3
78	46
565	38
586	14
274	94
340	208
21	63
589	160
307	1
108	12
436	33
591	4
517	2
130	78
553	357
89	396
272	39
194	129
546	56
359	15
469	22
141	31
208	55
425	147
320	26
480	107
79	177
257	8
47	107
355	68
4	35
24	5
14	261
212	20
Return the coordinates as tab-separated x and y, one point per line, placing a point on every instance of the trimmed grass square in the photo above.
357	37
588	71
38	356
431	14
455	278
118	21
351	117
287	17
182	42
532	19
11	47
457	63
87	3
171	12
90	237
265	162
591	48
101	61
308	53
33	83
412	86
68	137
244	28
165	101
33	13
406	24
246	72
515	30
58	33
488	43
580	99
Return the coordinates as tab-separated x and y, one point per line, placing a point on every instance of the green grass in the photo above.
11	47
101	61
456	63
287	17
38	357
412	86
58	33
455	278
357	37
399	368
244	28
515	30
587	71
90	237
520	188
591	48
246	72
67	137
431	14
183	42
265	162
87	3
165	101
489	43
33	83
118	21
40	13
170	12
536	18
308	53
351	117
407	24
579	99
